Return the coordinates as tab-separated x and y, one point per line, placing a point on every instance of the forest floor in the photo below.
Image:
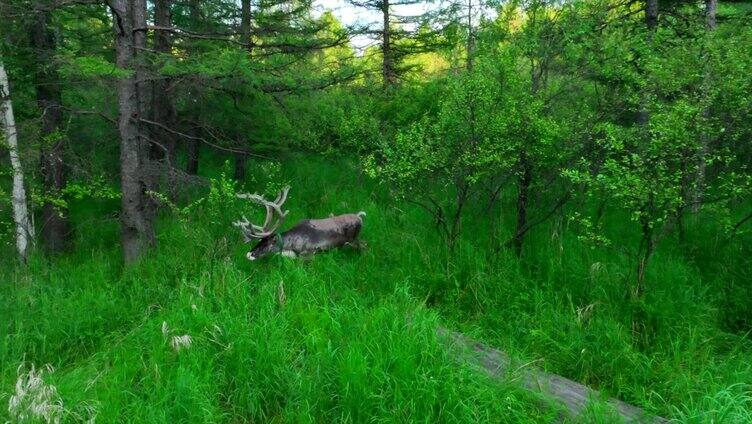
351	336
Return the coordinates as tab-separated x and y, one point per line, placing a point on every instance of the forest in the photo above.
299	211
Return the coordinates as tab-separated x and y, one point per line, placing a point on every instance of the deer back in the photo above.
312	235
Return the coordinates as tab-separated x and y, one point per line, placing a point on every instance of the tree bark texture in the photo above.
21	217
389	72
137	232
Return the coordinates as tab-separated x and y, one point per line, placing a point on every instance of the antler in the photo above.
252	231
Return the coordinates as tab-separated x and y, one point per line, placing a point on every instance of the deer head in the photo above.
269	239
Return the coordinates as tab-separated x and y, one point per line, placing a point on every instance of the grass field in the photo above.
349	336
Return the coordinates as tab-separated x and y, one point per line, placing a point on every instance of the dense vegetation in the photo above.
568	181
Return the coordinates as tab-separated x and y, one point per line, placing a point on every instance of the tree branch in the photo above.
201	139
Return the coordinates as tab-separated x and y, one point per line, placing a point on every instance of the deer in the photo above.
304	239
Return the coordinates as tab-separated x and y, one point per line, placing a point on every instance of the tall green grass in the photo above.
354	340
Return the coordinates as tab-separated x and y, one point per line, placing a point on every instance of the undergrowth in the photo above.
195	333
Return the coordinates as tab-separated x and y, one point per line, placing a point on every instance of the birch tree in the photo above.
24	224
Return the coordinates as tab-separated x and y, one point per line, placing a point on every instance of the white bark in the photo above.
24	225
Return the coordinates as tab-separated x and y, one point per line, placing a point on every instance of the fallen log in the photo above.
573	396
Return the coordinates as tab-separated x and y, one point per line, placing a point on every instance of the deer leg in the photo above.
288	254
357	244
307	255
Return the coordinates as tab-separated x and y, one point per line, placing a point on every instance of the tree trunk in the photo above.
647	245
245	22
163	105
651	16
240	161
137	232
455	228
149	171
193	149
711	8
710	23
24	225
192	146
142	85
245	30
523	188
641	330
470	36
388	71
55	224
651	22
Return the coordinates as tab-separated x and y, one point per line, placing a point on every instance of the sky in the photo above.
350	15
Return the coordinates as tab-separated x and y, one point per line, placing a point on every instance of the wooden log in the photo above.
573	396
